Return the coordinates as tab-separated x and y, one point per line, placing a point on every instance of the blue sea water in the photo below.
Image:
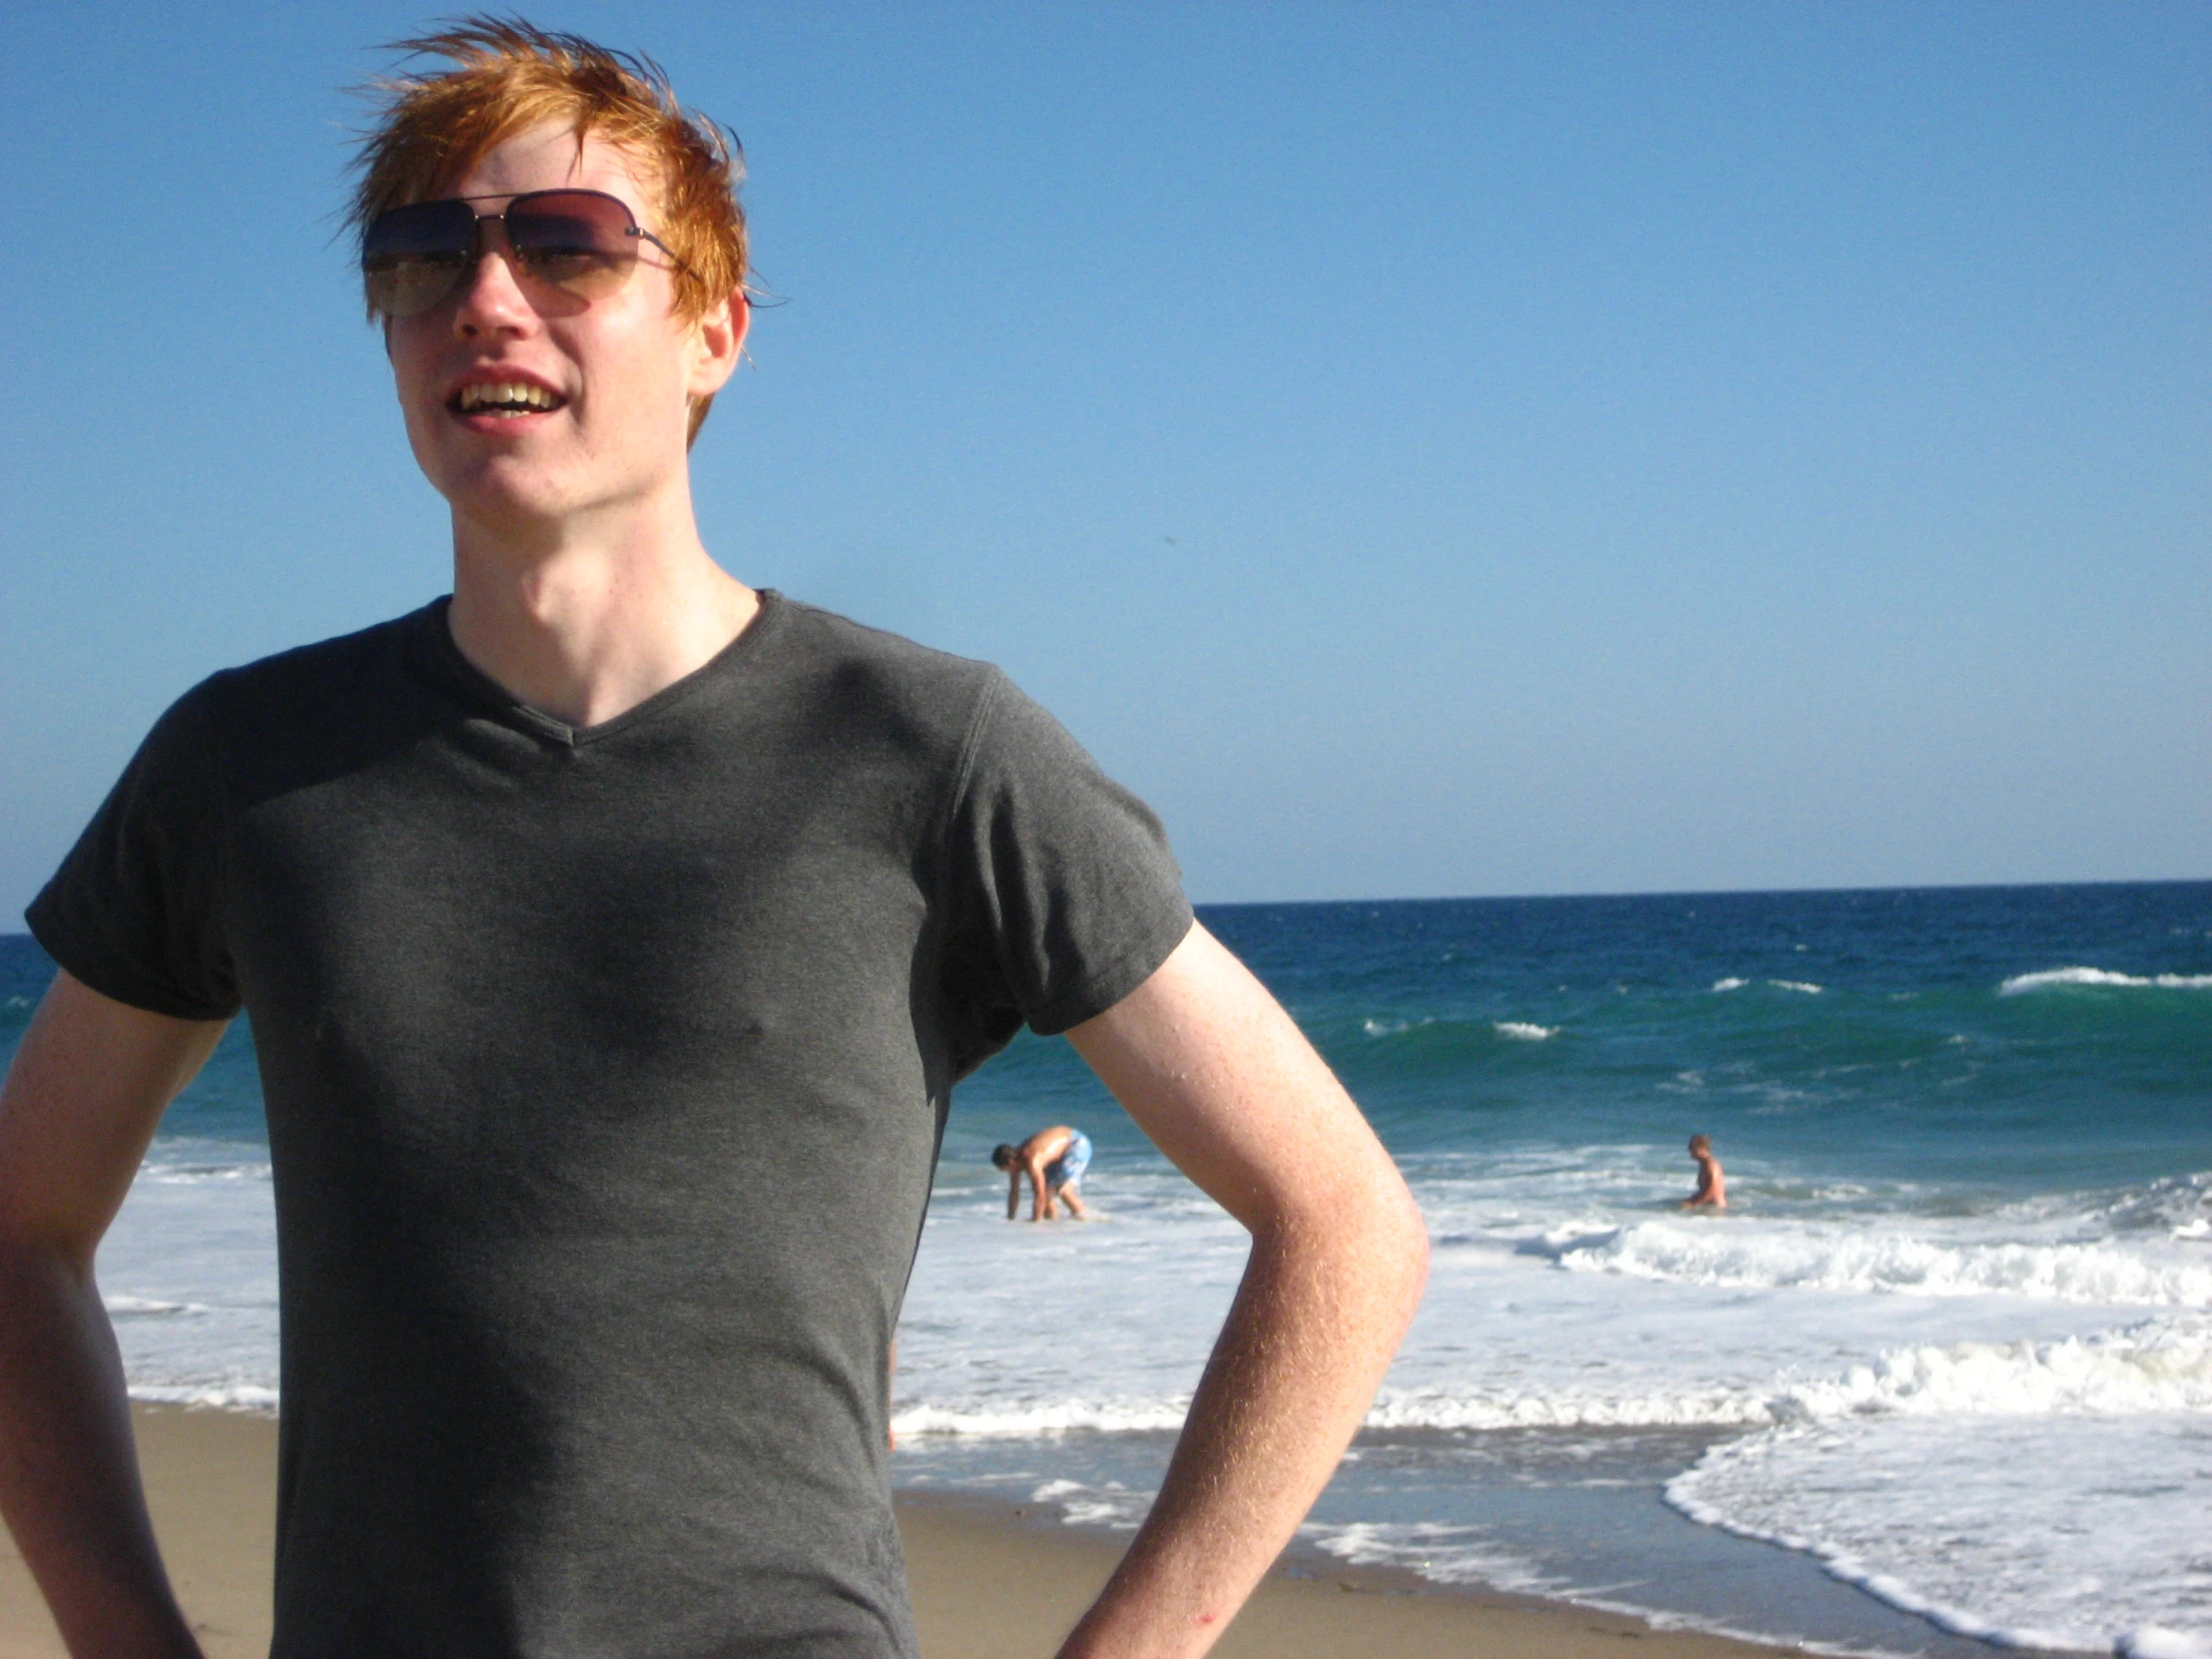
1942	1375
1885	1034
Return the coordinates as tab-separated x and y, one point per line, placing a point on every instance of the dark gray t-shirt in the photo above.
605	1073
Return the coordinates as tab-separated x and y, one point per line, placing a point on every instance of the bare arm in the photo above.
1221	1079
1041	1203
79	1105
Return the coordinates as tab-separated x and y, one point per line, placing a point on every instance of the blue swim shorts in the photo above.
1067	1169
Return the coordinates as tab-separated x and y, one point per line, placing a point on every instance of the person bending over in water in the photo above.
1712	1185
1055	1161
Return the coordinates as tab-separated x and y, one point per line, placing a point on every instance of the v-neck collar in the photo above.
432	636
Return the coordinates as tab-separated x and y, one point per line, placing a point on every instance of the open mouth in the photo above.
507	399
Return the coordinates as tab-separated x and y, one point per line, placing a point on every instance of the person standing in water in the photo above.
1712	1184
1055	1161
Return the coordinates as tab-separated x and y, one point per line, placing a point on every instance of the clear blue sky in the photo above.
1424	449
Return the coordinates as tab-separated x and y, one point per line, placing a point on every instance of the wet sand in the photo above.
990	1581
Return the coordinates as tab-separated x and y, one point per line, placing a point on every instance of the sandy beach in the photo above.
988	1583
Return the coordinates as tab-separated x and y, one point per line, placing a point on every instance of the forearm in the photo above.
1214	1070
77	1109
1314	1322
69	1484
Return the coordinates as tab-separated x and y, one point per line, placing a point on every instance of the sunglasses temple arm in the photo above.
647	236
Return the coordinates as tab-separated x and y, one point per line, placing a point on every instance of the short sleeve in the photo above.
1066	894
134	911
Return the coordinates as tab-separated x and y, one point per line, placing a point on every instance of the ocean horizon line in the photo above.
1660	892
1708	893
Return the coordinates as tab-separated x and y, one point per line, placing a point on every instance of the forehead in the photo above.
549	157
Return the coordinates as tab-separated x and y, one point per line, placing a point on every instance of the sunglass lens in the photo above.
578	241
412	255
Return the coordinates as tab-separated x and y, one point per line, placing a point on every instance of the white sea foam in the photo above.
189	1274
1730	984
2162	1365
1558	1301
2153	1641
142	1307
2069	1532
1843	1257
1788	1325
1052	1416
2180	1206
2156	1365
1109	1504
1523	1031
1391	1027
1794	1341
2051	978
258	1397
1563	1406
1804	985
1437	1550
191	1173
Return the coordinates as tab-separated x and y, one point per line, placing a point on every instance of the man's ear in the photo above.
719	341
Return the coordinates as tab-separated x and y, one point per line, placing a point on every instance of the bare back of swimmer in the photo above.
1052	1161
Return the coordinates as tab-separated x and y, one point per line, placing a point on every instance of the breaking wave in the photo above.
1819	1258
2157	1365
2051	978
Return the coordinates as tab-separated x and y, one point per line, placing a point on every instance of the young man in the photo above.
1052	1161
586	921
1712	1184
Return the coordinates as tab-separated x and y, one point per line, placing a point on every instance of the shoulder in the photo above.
308	675
991	724
318	711
898	665
868	671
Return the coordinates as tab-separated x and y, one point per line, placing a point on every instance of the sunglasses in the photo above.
581	243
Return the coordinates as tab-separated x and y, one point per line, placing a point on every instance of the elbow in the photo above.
1383	1265
32	1260
1373	1240
1391	1247
1417	1226
1408	1246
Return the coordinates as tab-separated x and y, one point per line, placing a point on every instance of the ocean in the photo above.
1941	1377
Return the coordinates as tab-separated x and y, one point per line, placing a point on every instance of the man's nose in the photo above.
492	299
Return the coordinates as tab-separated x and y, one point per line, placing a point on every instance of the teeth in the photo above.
508	393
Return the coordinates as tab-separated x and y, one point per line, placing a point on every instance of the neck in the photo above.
586	622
